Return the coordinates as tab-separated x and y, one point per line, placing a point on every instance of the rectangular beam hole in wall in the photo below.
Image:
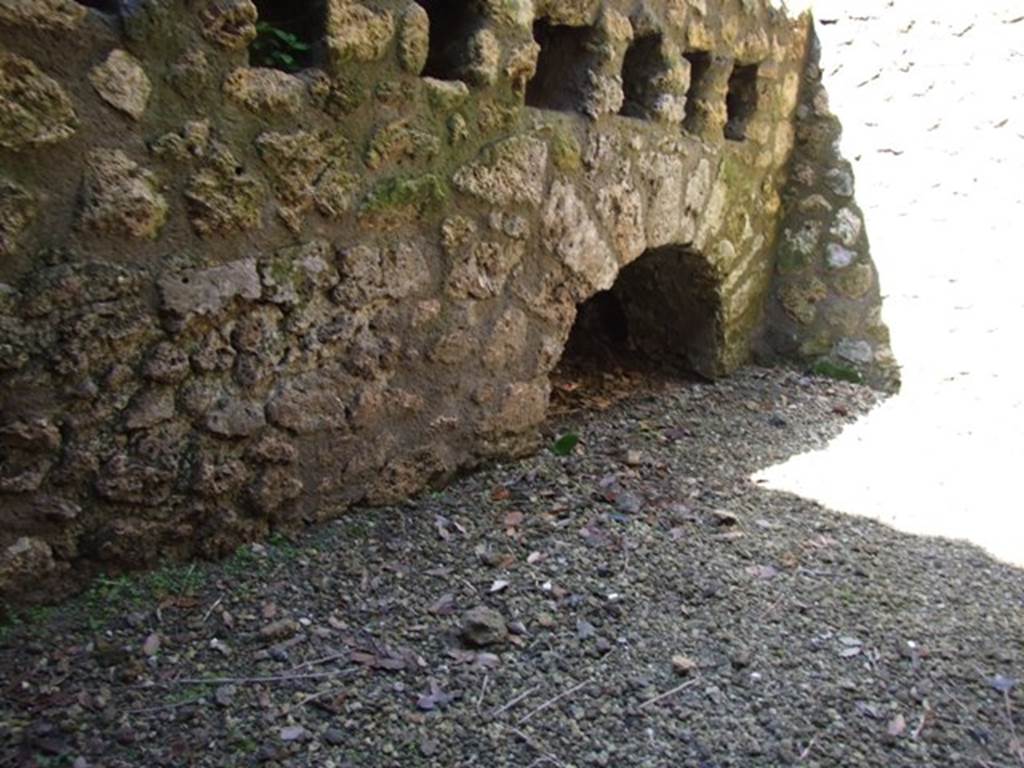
700	64
452	25
103	6
289	34
641	67
741	101
561	66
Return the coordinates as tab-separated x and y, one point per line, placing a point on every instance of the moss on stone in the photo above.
400	196
838	371
565	151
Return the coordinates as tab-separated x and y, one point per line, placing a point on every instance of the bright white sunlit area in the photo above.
932	99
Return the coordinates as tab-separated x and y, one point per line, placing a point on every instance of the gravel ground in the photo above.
650	605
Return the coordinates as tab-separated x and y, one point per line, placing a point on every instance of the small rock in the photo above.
225	695
683	665
724	518
293	733
628	503
151	645
584	629
334	736
484	626
740	659
634	458
280	629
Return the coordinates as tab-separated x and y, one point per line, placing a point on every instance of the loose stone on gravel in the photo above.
484	626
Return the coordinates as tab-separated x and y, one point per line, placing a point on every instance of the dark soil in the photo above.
662	610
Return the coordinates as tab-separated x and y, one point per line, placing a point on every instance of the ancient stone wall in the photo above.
236	298
825	308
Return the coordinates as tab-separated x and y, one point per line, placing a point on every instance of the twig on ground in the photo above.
309	698
807	750
162	707
666	694
212	608
508	705
258	679
925	717
483	690
321	660
545	755
552	701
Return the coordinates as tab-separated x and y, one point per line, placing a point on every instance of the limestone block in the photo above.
507	340
129	481
261	90
121	198
799	299
207	291
50	15
855	282
149	408
274	489
397	141
371	272
222	198
517	13
17	209
191	73
621	210
481	269
414	38
217	476
568	231
231	24
357	32
572	13
166	363
483	57
663	177
445	95
855	351
32	435
122	83
522	65
24	562
335	191
838	257
847	227
232	417
273	449
511	171
34	109
314	402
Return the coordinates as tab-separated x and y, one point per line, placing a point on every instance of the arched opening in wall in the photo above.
103	6
700	65
452	26
641	68
741	101
289	34
661	318
561	66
